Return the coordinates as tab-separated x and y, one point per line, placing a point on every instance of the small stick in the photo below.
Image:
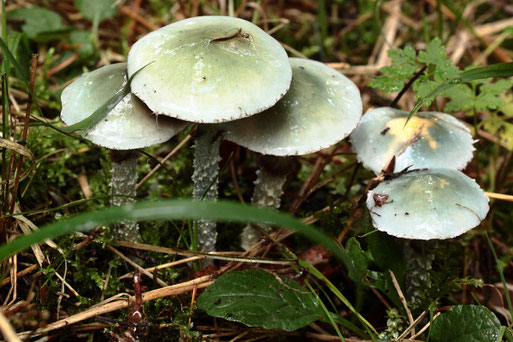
146	273
200	282
403	300
166	158
237	34
7	329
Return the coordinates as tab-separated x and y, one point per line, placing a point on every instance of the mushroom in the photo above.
321	108
429	139
128	126
208	70
427	204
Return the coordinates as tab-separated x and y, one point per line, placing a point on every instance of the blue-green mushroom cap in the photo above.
321	108
429	140
209	69
129	125
427	204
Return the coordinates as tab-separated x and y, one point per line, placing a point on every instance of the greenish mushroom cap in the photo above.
200	70
129	125
321	108
427	204
442	140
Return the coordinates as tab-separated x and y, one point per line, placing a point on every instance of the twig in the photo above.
166	158
7	330
407	86
403	301
200	282
131	262
213	255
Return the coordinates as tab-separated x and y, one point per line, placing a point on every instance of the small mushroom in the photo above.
208	70
429	139
427	204
128	126
321	108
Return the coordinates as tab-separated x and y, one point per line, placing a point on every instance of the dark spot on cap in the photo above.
204	77
406	213
155	91
302	67
385	131
106	120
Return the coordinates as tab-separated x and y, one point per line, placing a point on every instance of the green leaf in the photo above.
85	43
360	260
434	54
21	71
465	323
489	96
387	84
18	44
387	253
97	10
257	299
495	70
171	210
37	21
461	98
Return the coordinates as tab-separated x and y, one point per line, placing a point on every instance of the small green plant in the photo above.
432	66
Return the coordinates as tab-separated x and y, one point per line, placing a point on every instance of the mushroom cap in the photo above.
427	204
443	140
321	108
194	78
129	125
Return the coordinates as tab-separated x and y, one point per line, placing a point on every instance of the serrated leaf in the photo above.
489	96
257	299
423	87
434	54
387	84
37	21
97	10
465	323
461	98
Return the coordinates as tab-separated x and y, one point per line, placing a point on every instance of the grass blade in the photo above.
14	62
171	210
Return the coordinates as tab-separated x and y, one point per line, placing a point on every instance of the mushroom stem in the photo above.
206	170
122	184
267	192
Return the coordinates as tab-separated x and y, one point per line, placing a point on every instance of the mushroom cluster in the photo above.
422	195
219	72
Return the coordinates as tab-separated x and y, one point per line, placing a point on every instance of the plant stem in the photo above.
206	170
122	184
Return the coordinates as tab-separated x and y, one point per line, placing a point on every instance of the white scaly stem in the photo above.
206	170
122	184
266	193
